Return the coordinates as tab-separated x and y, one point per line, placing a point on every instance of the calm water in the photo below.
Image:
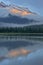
12	43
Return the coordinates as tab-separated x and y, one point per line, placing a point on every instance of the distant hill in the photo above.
16	20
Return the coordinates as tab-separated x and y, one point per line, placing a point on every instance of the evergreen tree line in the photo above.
26	29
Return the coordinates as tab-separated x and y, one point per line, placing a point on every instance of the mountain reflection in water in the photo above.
21	50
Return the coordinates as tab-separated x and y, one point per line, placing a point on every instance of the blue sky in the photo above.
33	5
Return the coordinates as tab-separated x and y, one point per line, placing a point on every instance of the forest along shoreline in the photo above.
33	30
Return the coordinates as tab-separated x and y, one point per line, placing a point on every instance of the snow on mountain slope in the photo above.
13	9
2	4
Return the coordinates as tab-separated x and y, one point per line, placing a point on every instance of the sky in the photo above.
33	5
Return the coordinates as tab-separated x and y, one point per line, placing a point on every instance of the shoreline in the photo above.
21	34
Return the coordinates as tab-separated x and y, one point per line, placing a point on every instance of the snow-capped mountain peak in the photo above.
12	15
13	9
20	10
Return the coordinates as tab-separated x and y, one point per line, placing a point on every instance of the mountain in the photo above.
12	15
16	20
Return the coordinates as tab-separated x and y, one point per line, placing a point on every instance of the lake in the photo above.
21	50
